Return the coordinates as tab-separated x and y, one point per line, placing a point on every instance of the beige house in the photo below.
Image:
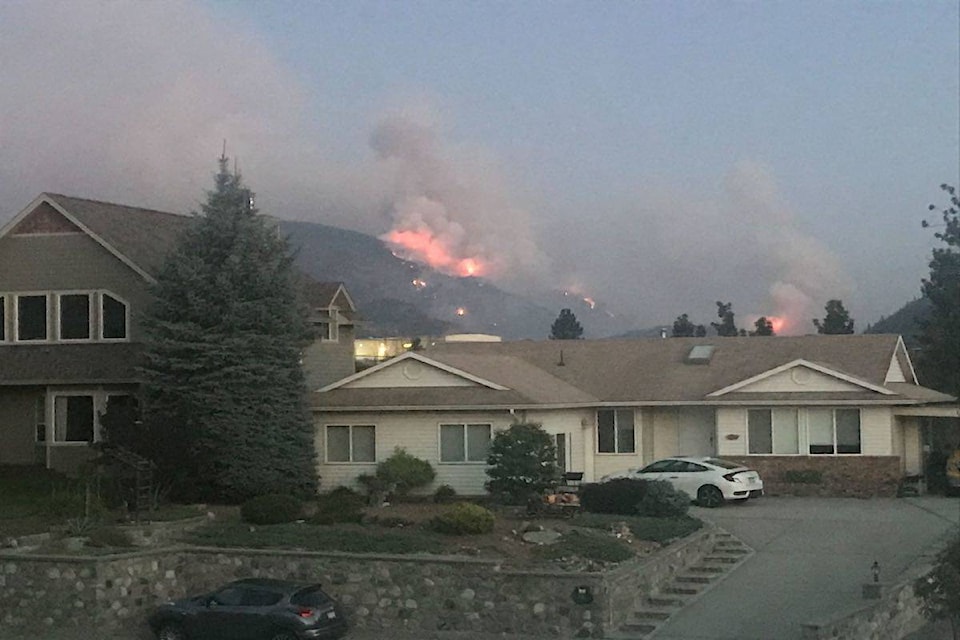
847	406
74	279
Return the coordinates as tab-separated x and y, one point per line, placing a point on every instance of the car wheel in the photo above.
171	631
709	496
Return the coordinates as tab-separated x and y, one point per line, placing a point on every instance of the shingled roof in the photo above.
658	371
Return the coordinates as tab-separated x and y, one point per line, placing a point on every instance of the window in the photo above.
615	431
73	419
40	418
74	316
833	431
773	431
32	317
351	443
3	318
464	442
113	318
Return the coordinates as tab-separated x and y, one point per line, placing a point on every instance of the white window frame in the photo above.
466	442
126	317
801	432
833	417
326	444
16	316
616	433
98	406
91	328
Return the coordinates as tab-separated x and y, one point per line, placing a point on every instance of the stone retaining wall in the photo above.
840	476
382	592
896	614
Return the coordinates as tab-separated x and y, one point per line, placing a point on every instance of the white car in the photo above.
709	481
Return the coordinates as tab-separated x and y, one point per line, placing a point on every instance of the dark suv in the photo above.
252	609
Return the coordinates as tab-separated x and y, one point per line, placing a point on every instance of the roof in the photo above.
143	238
94	363
652	372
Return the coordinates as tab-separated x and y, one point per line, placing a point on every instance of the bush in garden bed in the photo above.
463	518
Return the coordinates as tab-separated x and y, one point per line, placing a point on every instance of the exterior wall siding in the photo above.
876	431
410	373
799	379
731	431
325	362
69	262
18	425
912	448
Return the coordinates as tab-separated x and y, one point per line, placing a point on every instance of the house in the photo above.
847	407
74	280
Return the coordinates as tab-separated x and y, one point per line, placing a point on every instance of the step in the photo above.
638	627
730	552
693	579
714	570
728	544
673	601
723	559
683	590
653	615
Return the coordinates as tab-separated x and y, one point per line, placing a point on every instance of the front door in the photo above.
697	426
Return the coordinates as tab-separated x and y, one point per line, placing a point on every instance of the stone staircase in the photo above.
685	587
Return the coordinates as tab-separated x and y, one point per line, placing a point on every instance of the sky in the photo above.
653	156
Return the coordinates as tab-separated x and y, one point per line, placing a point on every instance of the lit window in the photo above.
615	433
351	443
113	318
32	317
773	431
464	442
74	316
73	419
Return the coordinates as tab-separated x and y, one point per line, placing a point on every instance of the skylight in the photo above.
700	354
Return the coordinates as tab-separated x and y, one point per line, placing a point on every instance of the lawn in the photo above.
33	498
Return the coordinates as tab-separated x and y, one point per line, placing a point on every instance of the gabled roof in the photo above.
413	355
658	371
142	238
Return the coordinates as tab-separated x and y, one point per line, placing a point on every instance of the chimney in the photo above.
663	332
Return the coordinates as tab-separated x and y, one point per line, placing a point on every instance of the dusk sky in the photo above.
655	156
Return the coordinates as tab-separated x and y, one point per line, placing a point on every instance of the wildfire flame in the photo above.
461	311
590	301
424	246
418	283
779	323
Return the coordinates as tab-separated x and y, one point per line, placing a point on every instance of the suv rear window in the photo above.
310	597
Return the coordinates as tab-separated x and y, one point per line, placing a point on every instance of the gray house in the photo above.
74	279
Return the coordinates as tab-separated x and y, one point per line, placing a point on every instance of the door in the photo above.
696	427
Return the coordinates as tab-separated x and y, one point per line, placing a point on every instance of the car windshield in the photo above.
723	464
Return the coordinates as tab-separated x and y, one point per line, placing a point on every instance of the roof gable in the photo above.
412	370
800	376
43	219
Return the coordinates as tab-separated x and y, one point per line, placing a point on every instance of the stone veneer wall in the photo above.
897	614
423	593
853	476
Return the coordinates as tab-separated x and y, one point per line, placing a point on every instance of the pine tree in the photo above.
836	321
566	327
683	328
940	359
224	338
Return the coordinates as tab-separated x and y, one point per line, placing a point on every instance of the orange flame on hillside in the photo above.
424	246
779	323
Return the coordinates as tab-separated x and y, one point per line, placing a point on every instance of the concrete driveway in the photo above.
812	556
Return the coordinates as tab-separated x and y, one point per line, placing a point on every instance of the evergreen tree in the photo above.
726	327
222	373
566	327
940	359
683	328
837	320
762	327
522	461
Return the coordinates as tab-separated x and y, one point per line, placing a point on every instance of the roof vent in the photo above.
561	363
700	354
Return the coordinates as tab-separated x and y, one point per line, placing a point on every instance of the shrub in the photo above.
463	518
522	462
340	505
661	499
272	508
622	496
405	472
587	545
803	476
444	494
109	537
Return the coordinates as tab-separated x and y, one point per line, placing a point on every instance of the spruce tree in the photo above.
222	370
836	321
566	327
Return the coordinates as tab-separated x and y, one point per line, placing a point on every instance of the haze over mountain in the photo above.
402	297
